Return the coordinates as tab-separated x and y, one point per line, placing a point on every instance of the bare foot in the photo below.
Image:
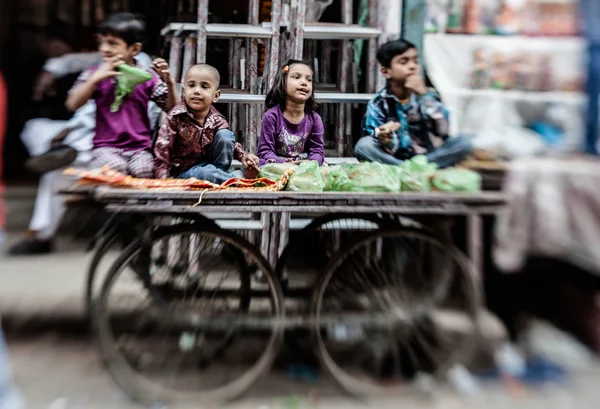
251	173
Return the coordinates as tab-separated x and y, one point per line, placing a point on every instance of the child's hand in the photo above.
161	66
108	68
250	161
416	84
386	132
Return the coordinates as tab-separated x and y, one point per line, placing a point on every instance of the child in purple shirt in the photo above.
123	139
291	130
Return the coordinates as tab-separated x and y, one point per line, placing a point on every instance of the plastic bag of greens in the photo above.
126	82
338	180
275	171
307	178
457	180
416	174
418	163
415	182
374	177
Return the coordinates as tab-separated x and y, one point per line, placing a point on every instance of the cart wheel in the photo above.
325	235
104	245
383	317
203	334
102	248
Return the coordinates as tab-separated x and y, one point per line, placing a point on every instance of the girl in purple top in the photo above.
292	131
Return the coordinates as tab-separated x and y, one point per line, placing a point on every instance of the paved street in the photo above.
59	369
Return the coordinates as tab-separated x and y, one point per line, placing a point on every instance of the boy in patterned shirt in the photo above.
123	139
195	140
405	118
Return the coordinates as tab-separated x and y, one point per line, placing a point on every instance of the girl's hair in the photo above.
277	95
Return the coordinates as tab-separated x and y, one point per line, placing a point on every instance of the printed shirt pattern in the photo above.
182	142
423	121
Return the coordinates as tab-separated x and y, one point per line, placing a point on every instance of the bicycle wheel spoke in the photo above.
174	357
404	277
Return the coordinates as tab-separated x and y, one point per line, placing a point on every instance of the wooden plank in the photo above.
372	51
188	54
298	30
175	61
105	192
474	240
157	209
275	43
202	22
274	238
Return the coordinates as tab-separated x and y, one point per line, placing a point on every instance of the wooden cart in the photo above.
373	278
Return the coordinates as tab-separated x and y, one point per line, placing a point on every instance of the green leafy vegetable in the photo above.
126	82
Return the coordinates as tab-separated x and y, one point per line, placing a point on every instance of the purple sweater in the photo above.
282	141
129	128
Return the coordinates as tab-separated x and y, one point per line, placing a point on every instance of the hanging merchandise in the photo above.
456	16
488	13
506	17
480	74
530	17
472	19
557	18
507	20
500	80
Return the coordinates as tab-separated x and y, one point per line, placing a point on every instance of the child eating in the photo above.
195	140
405	118
123	139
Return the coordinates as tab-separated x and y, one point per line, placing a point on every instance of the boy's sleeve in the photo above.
435	114
374	118
83	77
163	148
316	148
266	143
160	94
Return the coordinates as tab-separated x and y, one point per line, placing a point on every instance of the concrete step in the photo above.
19	202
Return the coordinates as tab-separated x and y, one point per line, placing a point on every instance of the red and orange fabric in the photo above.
109	177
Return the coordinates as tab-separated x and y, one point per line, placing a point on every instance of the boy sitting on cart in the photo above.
405	118
195	140
123	139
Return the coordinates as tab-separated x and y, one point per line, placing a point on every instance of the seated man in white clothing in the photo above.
9	396
55	144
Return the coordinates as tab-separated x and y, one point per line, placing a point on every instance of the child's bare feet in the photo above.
251	173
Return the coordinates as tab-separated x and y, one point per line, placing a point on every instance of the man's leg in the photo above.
454	150
220	152
47	213
367	150
9	397
38	133
111	157
206	172
141	165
